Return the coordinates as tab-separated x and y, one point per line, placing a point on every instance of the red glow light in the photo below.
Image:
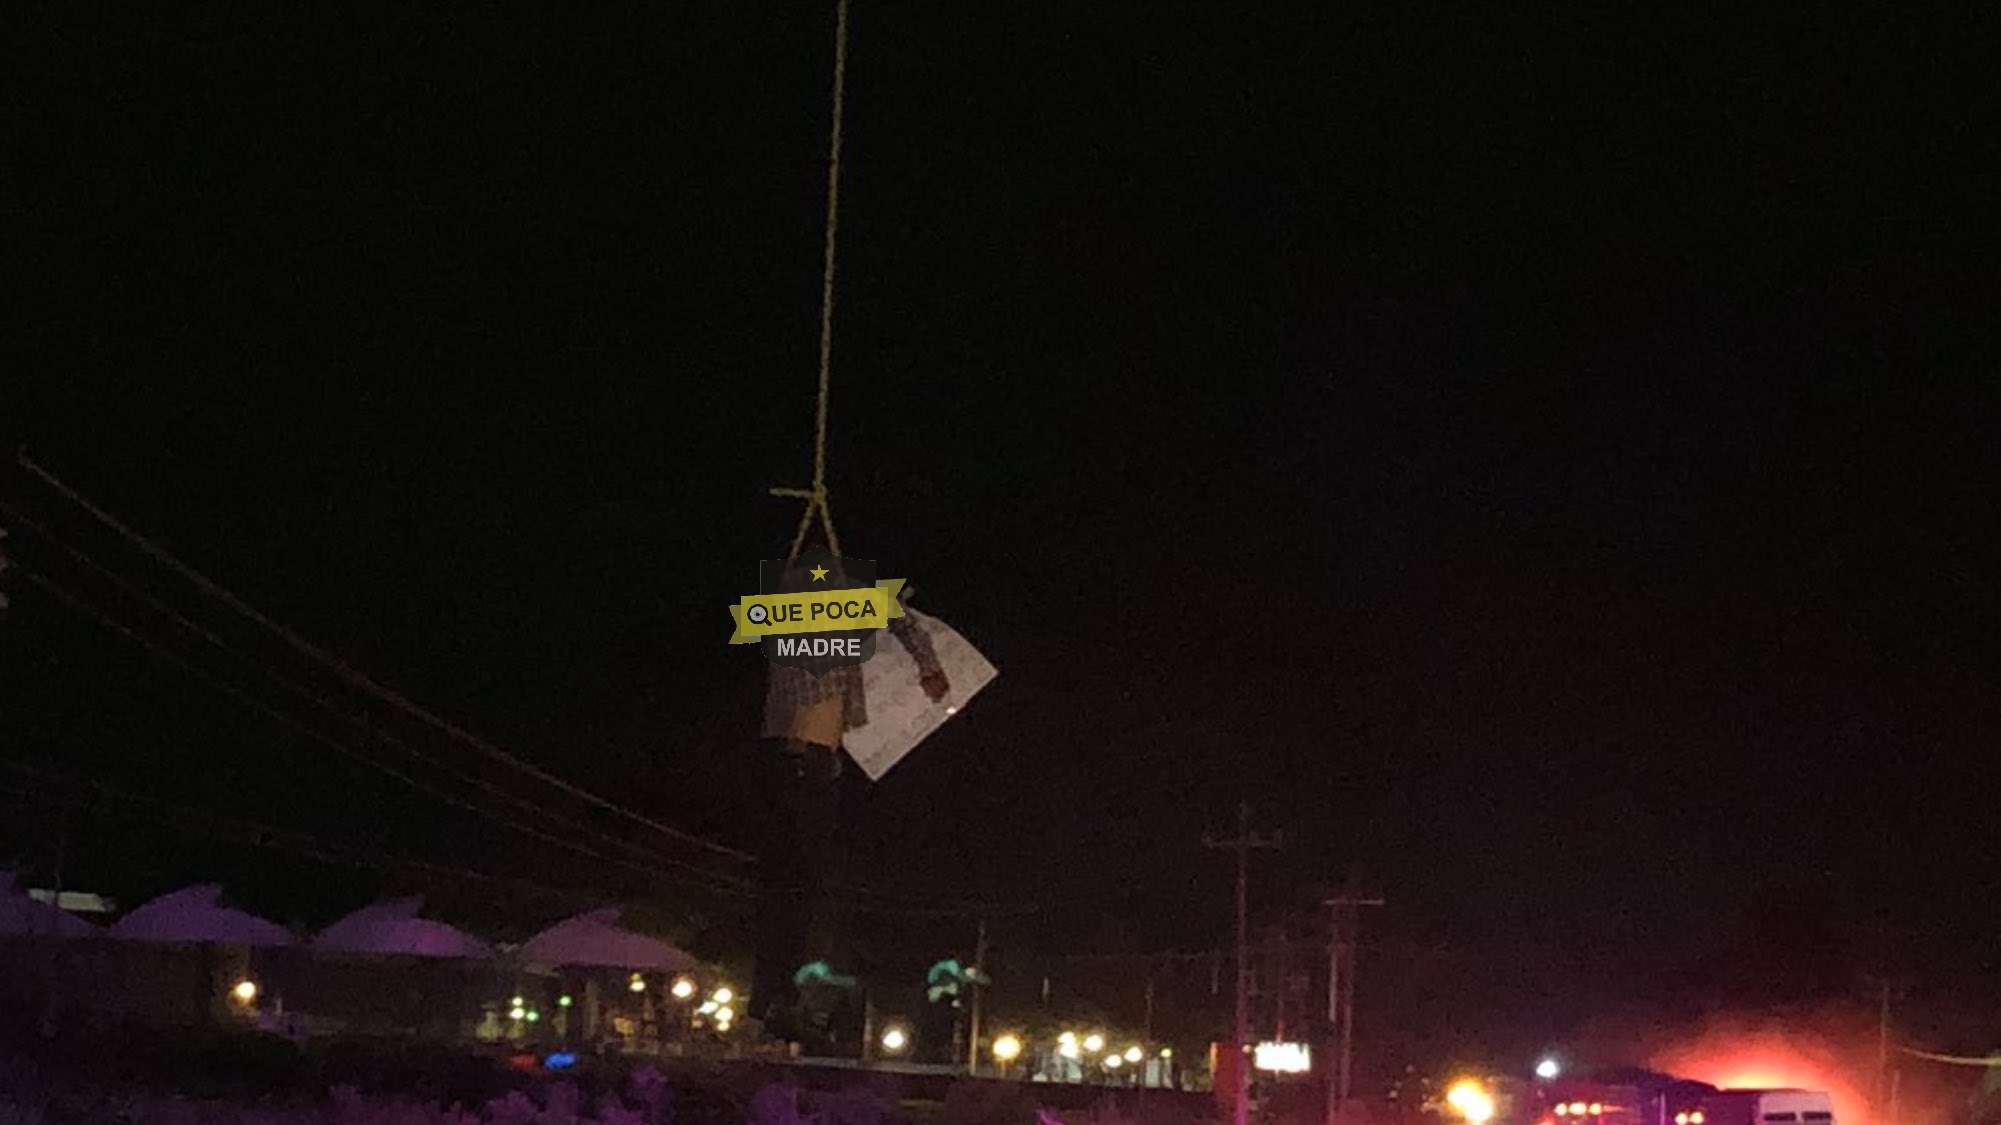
1755	1060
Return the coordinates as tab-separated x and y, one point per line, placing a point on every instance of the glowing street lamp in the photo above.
1134	1054
1472	1101
244	992
637	983
1007	1049
682	988
895	1040
1112	1062
1548	1069
724	995
1093	1043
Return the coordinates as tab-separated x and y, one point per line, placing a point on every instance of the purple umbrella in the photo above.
394	929
597	939
22	916
195	916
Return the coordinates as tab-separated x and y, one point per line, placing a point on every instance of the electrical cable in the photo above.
91	611
361	724
351	676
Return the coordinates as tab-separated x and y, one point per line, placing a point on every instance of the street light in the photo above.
1472	1101
1134	1054
895	1040
724	995
637	983
244	992
1548	1069
682	988
1111	1062
1007	1049
1094	1043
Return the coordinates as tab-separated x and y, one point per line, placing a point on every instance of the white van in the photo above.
1768	1107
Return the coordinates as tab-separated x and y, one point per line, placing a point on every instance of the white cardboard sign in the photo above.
899	714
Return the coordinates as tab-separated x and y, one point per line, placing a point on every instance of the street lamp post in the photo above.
1007	1048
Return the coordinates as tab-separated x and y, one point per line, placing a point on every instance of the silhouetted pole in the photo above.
979	974
1341	998
1245	842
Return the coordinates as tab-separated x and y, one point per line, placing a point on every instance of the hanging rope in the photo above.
816	497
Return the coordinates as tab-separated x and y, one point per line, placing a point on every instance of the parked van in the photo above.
1768	1107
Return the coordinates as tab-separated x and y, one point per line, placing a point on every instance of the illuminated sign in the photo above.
1283	1058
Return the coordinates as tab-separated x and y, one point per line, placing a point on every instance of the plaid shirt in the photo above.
791	692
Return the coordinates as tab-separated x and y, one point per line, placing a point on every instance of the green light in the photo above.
562	1001
534	1016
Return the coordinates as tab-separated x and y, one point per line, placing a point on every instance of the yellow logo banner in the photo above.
815	611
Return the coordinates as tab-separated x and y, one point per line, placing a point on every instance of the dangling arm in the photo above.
930	674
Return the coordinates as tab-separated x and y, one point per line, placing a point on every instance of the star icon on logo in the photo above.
818	573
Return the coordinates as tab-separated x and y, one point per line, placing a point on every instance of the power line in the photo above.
359	723
361	682
202	822
1164	956
892	902
1988	1061
86	609
355	678
959	911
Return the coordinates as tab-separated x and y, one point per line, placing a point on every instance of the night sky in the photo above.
1543	461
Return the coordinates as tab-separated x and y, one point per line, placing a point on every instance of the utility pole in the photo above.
1146	1028
1244	843
1281	976
1887	1078
979	974
51	1003
1341	996
1883	1050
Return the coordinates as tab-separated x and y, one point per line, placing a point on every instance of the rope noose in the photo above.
816	497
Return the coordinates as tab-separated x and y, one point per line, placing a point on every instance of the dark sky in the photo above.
1545	458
